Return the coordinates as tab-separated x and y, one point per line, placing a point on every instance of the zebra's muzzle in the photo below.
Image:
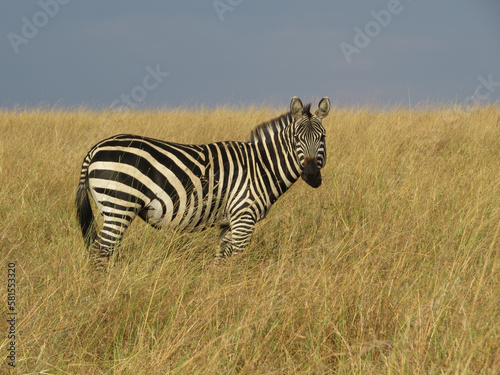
311	174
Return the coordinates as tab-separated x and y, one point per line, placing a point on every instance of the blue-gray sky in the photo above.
243	52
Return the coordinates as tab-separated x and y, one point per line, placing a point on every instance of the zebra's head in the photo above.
309	138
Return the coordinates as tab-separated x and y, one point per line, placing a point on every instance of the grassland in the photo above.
390	267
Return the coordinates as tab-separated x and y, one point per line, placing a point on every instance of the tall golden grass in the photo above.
390	267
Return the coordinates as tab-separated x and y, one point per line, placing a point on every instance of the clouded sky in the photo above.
243	52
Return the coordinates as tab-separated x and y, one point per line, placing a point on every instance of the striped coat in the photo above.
193	187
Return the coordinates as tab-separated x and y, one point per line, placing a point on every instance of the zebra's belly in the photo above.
193	217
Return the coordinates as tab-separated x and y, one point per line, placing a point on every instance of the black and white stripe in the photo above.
193	187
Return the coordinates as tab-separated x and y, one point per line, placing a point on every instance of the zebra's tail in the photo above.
83	208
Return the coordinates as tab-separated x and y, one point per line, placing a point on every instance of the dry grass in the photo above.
392	266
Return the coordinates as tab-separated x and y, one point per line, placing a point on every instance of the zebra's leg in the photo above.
225	239
238	237
108	239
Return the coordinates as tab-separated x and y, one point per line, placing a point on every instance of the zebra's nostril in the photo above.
311	174
310	164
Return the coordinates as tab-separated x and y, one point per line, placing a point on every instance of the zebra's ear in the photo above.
296	107
323	107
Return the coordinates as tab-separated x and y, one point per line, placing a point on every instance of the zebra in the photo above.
194	187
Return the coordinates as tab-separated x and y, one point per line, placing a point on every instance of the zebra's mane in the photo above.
276	125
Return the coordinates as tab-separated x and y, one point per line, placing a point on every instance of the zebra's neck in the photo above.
268	130
275	144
